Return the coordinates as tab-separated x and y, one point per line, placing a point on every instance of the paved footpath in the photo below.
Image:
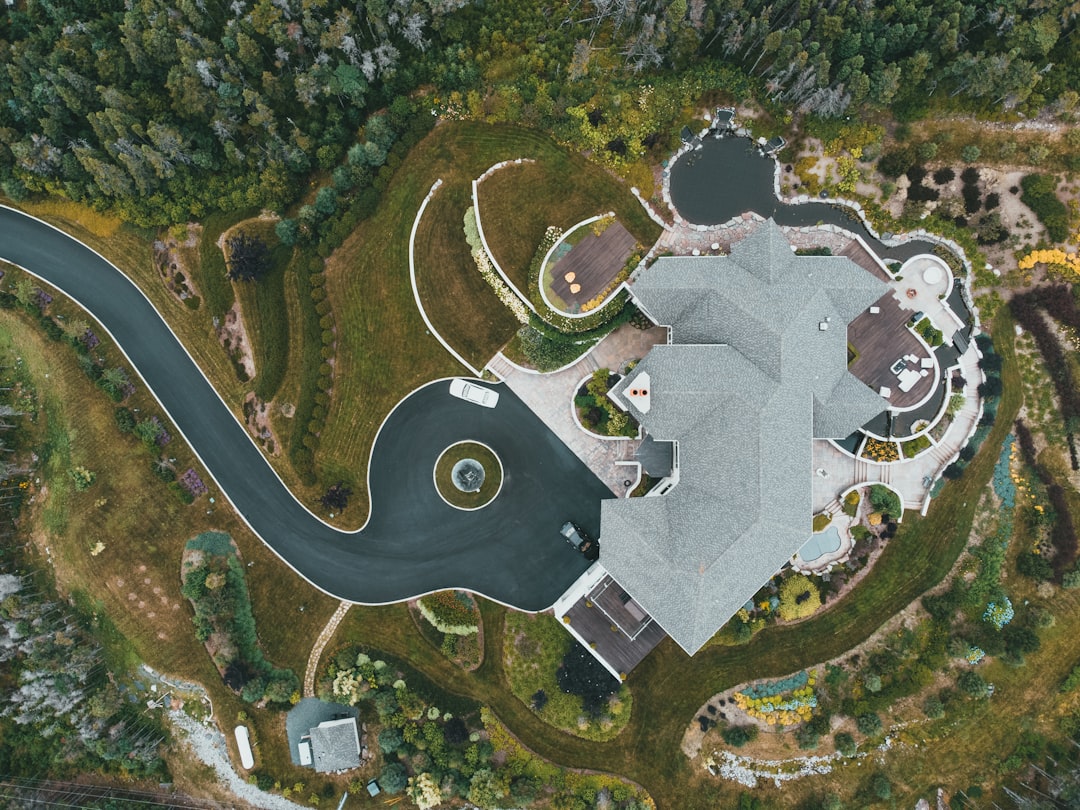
908	477
320	643
551	397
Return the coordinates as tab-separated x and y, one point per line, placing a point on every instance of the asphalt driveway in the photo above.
414	542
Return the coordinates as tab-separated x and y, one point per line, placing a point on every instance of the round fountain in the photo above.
468	475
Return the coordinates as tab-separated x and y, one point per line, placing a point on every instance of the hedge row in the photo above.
317	346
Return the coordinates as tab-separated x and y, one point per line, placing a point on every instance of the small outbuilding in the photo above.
335	745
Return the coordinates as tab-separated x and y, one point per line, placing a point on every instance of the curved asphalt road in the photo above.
413	542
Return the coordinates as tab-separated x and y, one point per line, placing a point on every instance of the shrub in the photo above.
1040	195
885	500
821	521
738	736
393	778
1072	681
1034	566
125	419
390	740
82	477
943	176
851	503
798	597
972	684
845	744
933	707
162	470
868	724
881	786
970	153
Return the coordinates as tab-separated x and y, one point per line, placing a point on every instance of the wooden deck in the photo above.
862	257
594	262
880	341
620	630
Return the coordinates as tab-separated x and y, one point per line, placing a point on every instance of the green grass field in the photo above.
135	578
383	351
518	203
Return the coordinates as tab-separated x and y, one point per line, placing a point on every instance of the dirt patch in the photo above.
168	257
257	419
233	337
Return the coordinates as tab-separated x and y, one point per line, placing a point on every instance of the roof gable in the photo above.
757	369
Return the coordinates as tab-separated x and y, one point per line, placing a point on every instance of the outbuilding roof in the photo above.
757	369
335	745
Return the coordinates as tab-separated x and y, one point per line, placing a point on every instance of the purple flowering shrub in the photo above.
89	339
192	483
42	298
163	437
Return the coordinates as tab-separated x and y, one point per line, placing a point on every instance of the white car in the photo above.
470	392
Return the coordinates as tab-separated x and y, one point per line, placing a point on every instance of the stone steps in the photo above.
500	367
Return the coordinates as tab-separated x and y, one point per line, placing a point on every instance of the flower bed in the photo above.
877	450
786	702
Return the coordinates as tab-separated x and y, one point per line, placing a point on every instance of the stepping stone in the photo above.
575	288
570	276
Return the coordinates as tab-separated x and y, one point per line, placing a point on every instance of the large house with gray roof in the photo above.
756	369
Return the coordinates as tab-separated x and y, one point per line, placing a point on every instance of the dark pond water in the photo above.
728	176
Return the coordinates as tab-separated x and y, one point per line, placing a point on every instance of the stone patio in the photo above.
551	397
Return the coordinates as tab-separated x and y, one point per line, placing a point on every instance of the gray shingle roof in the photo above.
335	746
758	372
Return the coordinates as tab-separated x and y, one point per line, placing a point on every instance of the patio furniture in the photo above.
927	362
908	379
885	391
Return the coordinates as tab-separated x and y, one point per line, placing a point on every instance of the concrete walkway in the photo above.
836	471
551	397
320	643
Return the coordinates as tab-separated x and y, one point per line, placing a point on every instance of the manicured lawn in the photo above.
457	299
382	351
518	203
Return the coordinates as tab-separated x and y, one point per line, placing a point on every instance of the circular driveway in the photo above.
413	542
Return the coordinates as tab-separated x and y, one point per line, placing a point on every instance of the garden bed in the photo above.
444	612
596	412
213	581
536	649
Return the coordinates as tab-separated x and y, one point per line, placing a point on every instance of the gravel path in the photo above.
320	643
209	746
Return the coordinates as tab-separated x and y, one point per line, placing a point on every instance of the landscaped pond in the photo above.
729	176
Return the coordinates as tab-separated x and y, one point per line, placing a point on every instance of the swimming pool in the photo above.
820	544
